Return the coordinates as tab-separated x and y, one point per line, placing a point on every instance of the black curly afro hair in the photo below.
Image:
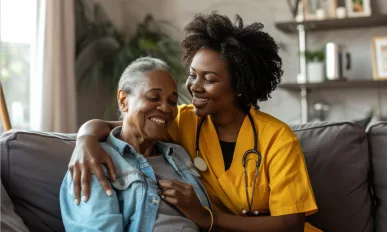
252	55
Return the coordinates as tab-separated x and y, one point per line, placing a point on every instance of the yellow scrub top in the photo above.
283	185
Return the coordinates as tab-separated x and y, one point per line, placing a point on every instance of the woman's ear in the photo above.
122	98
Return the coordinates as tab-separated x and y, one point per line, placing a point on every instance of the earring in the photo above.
239	94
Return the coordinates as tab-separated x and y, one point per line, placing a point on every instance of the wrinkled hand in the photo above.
86	159
183	196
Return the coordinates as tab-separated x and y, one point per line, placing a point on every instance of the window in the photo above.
17	37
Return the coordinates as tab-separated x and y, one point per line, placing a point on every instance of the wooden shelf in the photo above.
334	24
335	85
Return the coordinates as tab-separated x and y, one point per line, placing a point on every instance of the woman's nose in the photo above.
164	107
196	85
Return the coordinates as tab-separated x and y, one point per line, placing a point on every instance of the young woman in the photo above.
147	100
251	163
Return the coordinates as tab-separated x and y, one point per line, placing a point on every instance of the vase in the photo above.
315	72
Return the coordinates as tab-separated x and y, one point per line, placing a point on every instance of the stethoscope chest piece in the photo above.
200	163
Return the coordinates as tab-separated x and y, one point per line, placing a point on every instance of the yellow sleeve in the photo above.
290	188
173	129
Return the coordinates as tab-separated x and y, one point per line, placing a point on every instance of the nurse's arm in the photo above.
101	213
291	223
184	198
88	156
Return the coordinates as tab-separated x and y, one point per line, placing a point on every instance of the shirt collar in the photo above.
165	148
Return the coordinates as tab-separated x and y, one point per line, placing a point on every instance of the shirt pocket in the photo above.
125	181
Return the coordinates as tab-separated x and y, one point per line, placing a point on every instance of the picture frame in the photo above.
358	8
379	58
312	8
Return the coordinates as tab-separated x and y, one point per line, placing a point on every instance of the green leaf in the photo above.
315	55
149	39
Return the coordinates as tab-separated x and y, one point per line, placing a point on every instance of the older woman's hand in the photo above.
86	159
183	196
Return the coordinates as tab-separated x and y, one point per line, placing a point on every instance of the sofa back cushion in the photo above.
377	138
337	158
10	221
32	169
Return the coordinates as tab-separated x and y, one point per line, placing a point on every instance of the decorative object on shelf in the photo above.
341	12
300	12
294	8
379	57
320	14
310	9
320	111
319	9
337	61
358	8
315	65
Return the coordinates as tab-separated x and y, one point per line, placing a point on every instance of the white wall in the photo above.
345	104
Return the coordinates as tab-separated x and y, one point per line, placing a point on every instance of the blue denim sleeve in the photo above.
99	213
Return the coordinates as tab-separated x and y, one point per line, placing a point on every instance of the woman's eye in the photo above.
153	99
192	75
173	103
209	81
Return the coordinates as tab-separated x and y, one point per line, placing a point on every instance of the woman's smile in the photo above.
199	102
159	120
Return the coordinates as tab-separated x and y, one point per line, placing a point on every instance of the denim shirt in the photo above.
134	203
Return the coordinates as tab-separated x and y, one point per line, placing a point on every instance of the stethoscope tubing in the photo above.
244	159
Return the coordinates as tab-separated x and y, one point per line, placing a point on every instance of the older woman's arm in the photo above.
101	213
88	156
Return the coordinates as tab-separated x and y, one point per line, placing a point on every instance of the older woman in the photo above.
147	97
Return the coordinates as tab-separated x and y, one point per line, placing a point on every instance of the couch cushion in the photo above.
10	221
32	168
377	138
337	158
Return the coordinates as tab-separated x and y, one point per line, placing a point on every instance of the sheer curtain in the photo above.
52	90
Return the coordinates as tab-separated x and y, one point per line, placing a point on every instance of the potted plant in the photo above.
315	65
103	53
107	55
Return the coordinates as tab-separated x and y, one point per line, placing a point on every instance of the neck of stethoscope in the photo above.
254	130
252	126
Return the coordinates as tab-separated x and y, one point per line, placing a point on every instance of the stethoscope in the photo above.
202	166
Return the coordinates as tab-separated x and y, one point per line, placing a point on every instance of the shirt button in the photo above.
122	182
155	201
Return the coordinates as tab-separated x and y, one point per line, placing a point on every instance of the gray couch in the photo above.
347	168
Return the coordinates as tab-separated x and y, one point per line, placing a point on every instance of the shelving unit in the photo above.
334	24
302	28
334	85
